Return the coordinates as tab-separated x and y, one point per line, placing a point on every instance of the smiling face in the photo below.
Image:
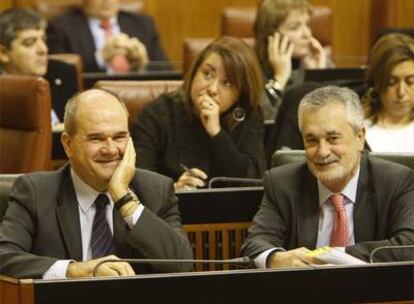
331	145
101	9
27	54
211	79
398	98
98	144
297	28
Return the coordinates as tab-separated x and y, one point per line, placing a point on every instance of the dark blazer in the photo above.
42	225
70	33
63	84
289	213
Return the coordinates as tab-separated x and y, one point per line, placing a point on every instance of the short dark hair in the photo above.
17	19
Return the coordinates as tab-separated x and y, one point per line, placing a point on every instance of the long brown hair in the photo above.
242	69
389	51
270	15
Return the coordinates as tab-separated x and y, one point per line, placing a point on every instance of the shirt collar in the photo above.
85	194
95	22
349	190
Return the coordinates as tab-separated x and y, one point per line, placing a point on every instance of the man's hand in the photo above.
191	179
280	51
111	269
118	185
131	48
293	258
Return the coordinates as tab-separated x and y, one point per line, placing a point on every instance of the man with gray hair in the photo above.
340	197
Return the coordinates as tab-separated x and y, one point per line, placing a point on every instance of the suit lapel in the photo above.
68	217
307	209
364	209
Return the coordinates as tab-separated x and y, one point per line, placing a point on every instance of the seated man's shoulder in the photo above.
289	173
147	177
390	171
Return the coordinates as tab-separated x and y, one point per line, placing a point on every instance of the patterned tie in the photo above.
102	244
119	63
340	232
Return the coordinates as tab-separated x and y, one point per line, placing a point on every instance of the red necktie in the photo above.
119	63
340	232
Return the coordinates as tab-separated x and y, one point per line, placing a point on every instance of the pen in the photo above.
186	169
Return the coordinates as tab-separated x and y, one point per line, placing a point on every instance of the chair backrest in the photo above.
282	157
6	183
25	124
193	46
49	10
239	21
74	60
136	94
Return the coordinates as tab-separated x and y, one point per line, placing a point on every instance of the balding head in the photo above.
94	98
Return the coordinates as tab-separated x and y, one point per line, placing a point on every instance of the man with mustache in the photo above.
61	224
340	197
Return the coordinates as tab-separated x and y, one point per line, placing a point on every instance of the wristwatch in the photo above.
274	87
130	196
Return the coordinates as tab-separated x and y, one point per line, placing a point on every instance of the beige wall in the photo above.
179	19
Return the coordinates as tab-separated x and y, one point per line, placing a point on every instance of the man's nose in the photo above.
323	149
110	146
42	47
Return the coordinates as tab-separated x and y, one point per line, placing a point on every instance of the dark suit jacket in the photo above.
42	225
63	84
289	213
70	33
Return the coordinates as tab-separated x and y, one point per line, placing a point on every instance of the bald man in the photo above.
50	228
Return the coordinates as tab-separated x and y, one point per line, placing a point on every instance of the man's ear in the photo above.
4	55
67	141
361	139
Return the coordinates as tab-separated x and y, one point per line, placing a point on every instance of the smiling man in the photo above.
340	198
61	224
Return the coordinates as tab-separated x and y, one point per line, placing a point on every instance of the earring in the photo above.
239	114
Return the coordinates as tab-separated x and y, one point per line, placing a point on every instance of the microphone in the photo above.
224	181
241	262
373	252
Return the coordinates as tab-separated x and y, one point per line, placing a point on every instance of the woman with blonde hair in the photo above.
389	99
213	126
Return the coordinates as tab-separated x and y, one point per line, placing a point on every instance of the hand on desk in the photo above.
111	269
293	258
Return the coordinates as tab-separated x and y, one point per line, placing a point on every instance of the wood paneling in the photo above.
180	19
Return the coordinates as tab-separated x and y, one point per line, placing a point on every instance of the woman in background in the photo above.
213	126
285	47
389	100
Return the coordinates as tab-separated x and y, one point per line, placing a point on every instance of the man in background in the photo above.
107	39
23	51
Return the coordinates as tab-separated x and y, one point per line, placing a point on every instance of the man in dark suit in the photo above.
340	198
23	51
52	229
133	36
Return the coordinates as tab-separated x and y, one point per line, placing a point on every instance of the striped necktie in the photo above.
102	244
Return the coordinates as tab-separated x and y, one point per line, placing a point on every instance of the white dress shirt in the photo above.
98	34
326	217
86	196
